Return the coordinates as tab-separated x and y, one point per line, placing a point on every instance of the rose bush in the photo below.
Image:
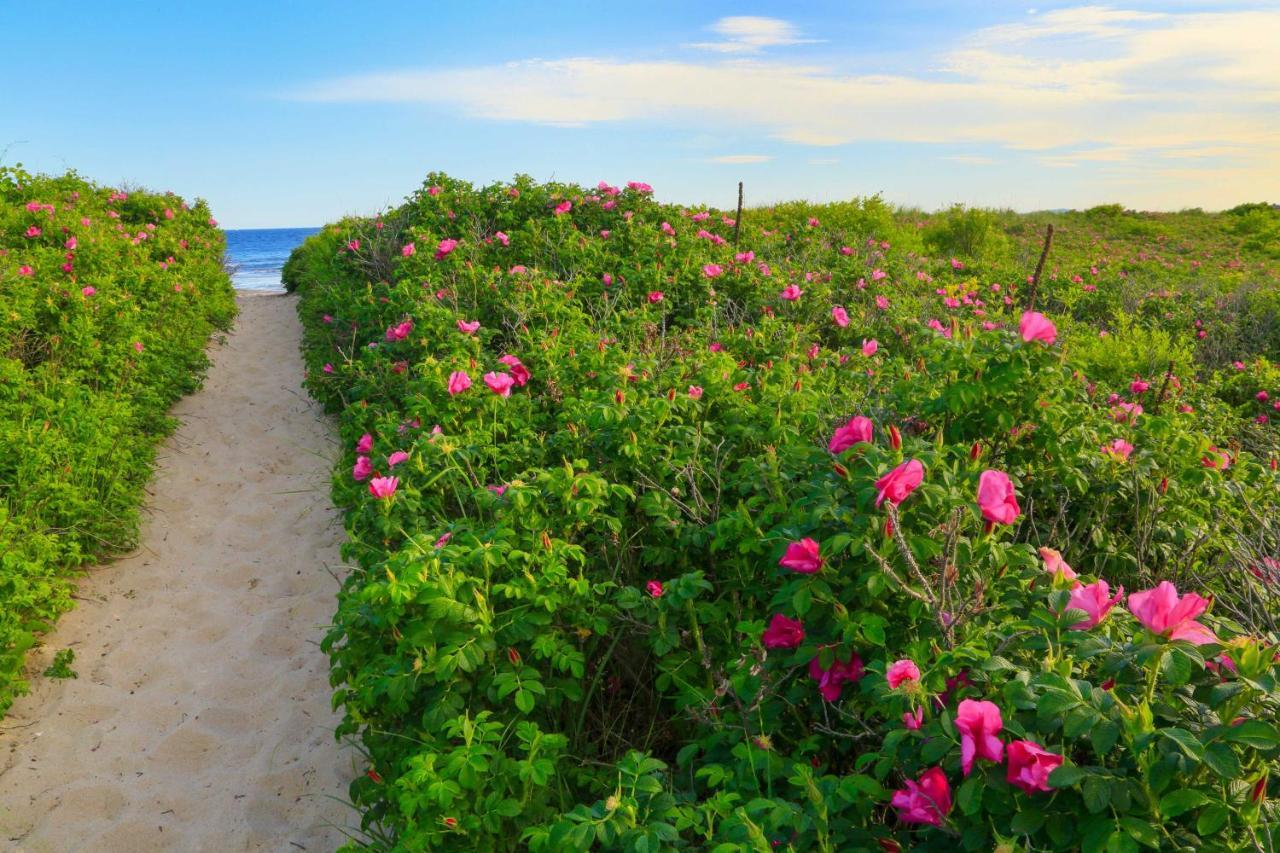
109	300
829	547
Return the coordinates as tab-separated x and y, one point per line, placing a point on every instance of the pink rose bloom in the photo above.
26	269
499	383
1215	458
459	381
996	498
858	429
1034	326
900	482
712	270
383	487
444	247
502	238
607	278
1054	564
744	257
518	371
1162	612
468	328
900	671
926	801
877	275
1030	765
870	347
783	633
695	391
1137	386
365	444
88	291
840	316
1119	450
831	681
396	458
71	243
408	249
137	346
913	719
654	588
978	724
443	540
363	468
655	296
1092	599
563	207
802	556
791	293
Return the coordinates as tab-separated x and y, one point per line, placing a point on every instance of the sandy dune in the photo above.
200	719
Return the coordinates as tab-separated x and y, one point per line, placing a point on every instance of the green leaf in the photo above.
1212	818
1079	721
969	795
524	701
1186	741
801	600
1222	760
1066	775
1055	703
1253	733
1096	793
1142	831
1181	800
1176	668
1027	821
1104	736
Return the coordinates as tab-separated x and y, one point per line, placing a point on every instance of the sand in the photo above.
200	719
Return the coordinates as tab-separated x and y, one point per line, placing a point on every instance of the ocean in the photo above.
257	254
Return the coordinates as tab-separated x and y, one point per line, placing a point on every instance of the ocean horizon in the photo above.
255	256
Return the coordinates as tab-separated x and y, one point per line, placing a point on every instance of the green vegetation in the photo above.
109	299
663	542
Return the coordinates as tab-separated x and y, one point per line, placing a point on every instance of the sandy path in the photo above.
200	719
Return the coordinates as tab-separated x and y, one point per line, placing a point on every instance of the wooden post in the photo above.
737	220
1035	279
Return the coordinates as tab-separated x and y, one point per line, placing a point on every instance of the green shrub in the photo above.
109	299
635	599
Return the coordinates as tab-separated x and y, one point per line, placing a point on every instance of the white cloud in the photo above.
970	160
750	34
1089	86
733	159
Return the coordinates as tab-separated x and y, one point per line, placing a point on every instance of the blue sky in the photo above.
295	113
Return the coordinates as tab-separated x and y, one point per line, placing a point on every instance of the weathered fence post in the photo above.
737	220
1035	279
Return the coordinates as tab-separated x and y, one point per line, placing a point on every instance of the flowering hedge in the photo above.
811	534
108	298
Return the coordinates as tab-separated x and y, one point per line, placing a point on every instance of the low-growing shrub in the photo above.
805	543
109	299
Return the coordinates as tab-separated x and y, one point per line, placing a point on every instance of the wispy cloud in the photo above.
971	159
1090	85
733	159
750	34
